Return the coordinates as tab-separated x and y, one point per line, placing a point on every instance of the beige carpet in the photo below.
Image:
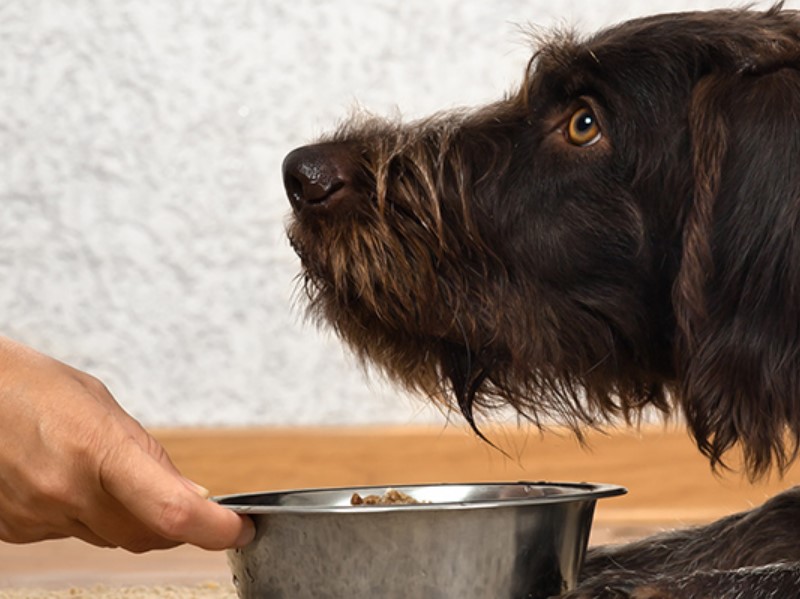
203	591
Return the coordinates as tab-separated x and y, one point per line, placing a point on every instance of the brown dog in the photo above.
621	233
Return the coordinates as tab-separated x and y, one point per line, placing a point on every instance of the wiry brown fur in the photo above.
481	257
413	283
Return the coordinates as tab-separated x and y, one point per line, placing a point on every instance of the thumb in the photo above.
169	504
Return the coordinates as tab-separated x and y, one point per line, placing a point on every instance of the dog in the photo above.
620	234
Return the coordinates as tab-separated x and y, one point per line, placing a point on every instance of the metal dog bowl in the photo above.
466	541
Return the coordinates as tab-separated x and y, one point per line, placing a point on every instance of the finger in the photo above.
165	504
152	447
128	423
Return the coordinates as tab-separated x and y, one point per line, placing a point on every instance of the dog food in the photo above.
390	497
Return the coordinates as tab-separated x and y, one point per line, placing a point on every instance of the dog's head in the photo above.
620	232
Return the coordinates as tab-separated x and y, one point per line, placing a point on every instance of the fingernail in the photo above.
248	532
199	489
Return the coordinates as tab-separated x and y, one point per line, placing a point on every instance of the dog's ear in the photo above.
737	294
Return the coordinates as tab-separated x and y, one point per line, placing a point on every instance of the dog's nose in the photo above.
315	176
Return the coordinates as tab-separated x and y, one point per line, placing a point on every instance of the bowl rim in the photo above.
581	491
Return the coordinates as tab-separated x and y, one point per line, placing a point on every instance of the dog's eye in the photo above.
583	129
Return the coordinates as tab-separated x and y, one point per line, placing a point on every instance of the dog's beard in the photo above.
409	281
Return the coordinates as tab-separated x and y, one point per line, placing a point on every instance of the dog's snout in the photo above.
316	175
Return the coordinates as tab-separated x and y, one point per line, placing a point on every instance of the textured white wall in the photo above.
141	233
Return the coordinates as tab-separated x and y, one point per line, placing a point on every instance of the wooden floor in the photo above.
669	484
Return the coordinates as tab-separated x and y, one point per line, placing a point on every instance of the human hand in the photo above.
74	463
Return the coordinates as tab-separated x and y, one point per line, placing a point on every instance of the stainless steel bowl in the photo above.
467	541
